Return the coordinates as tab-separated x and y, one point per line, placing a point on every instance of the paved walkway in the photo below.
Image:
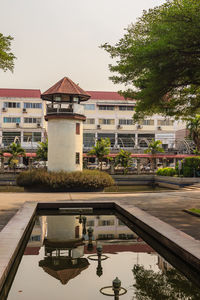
167	206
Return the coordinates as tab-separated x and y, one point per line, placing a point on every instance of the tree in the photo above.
42	151
15	150
159	58
169	285
6	57
154	148
100	150
123	158
193	125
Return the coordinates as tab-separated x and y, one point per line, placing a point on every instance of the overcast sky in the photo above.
57	38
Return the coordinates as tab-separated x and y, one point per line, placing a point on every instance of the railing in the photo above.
65	108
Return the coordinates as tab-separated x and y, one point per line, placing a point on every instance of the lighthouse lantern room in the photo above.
65	116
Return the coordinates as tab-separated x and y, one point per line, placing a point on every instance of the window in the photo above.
147	122
88	139
126	107
126	140
32	120
120	223
166	122
106	107
106	121
125	122
105	236
32	105
124	236
90	223
35	238
77	128
89	106
11	120
32	137
10	137
106	222
90	121
11	104
77	158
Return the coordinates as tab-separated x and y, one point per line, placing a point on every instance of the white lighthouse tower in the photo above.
65	116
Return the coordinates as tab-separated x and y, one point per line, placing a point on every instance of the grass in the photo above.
196	210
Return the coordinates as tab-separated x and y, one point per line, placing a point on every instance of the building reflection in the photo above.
37	236
66	239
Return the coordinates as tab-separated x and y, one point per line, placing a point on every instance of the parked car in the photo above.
21	166
93	166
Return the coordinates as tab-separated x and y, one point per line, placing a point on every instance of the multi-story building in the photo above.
21	118
110	115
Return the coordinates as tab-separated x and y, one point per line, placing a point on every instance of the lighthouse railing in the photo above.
64	108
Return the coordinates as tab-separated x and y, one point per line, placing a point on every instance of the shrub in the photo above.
86	180
166	172
191	166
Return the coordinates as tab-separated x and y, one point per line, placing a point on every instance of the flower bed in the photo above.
42	180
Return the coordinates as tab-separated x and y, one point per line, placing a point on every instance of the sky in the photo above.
57	38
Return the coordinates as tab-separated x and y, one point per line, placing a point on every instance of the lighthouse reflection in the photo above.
64	248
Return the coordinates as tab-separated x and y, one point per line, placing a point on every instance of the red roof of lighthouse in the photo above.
66	86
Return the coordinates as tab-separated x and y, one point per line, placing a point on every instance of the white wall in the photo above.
63	143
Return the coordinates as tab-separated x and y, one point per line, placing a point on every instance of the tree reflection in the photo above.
168	285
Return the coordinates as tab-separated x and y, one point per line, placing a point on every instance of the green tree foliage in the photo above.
124	159
6	57
154	148
100	150
15	150
42	151
193	125
171	285
159	59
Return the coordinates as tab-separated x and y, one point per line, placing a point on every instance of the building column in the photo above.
136	139
96	137
116	139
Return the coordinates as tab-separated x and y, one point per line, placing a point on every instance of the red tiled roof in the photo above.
101	95
20	93
140	248
66	86
32	251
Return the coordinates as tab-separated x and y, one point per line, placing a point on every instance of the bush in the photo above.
166	172
86	180
191	166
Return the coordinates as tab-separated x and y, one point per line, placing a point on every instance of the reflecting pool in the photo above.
75	256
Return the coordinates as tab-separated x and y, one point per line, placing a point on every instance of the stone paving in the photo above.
167	206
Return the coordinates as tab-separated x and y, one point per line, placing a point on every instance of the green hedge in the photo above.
166	172
191	166
86	180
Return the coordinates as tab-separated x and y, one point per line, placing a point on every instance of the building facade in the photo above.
110	115
22	118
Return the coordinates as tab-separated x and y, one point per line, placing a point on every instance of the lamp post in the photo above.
90	235
116	285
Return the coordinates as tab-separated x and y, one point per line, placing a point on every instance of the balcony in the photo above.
64	108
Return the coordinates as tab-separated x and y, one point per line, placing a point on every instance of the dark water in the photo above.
56	263
135	189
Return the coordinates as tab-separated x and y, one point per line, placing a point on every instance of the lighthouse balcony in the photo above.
64	108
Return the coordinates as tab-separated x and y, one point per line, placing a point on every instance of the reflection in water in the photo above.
66	243
168	284
63	248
